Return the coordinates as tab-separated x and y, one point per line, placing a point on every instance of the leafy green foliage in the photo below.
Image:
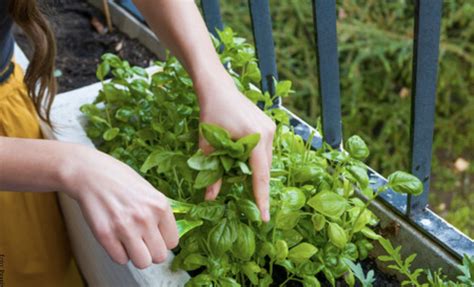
432	278
375	57
151	122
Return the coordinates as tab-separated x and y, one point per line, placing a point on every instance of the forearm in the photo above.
34	165
180	27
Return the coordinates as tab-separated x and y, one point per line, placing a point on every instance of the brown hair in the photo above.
39	77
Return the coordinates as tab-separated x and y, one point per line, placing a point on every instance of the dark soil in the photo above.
80	45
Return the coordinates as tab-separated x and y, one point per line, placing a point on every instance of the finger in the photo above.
168	229
213	190
103	232
137	251
156	245
205	146
114	248
261	180
269	147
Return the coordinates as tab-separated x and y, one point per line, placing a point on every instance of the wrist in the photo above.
70	170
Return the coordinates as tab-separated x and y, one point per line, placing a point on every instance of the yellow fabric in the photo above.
34	246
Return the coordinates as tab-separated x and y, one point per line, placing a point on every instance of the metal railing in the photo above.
425	64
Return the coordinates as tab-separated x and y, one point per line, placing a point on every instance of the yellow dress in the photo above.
34	245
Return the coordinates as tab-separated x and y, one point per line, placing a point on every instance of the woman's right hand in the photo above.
128	216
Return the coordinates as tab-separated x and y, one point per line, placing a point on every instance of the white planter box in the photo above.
95	264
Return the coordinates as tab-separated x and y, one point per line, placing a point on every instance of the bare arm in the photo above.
180	26
141	229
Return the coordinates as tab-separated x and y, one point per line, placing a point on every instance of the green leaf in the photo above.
281	248
194	261
251	269
302	252
306	173
156	158
287	219
357	148
222	236
102	70
337	235
283	88
244	168
184	226
244	246
228	282
207	177
227	162
140	72
179	207
124	114
292	198
216	136
249	142
369	233
208	210
360	174
199	161
318	221
403	182
110	134
328	203
249	209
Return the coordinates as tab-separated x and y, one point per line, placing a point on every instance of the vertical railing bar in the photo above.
324	13
212	16
425	66
265	48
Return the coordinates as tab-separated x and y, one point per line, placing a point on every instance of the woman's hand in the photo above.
222	104
127	215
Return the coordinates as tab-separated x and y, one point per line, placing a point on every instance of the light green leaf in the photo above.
184	226
337	235
110	134
403	182
328	203
357	148
199	161
207	177
302	252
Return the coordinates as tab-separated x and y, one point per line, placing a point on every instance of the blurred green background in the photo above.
375	55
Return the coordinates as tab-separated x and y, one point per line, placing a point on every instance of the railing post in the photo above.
425	66
212	16
324	13
265	48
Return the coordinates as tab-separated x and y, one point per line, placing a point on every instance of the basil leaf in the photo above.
102	70
302	252
329	204
199	161
337	235
292	198
249	209
207	177
222	236
184	226
357	148
211	211
360	174
244	246
403	182
110	134
179	207
215	135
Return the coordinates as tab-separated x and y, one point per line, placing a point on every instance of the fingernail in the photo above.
266	215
